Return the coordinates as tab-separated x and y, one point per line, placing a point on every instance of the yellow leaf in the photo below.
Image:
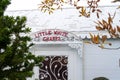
96	39
83	11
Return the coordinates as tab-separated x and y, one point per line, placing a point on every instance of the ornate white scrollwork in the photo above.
78	47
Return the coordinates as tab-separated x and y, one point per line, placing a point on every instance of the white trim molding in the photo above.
78	47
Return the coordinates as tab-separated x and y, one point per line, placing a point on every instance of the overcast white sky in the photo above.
23	4
33	4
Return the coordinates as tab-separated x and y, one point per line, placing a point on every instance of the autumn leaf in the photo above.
103	21
114	15
109	27
96	23
113	31
116	1
91	37
100	22
97	15
99	28
99	10
93	10
118	28
105	25
52	9
104	38
83	11
98	0
110	20
78	7
62	0
96	39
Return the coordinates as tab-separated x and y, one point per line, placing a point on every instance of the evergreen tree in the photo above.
16	61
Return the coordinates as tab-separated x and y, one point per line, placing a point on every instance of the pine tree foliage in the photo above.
3	6
16	61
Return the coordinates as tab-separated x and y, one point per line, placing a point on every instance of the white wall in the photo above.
102	62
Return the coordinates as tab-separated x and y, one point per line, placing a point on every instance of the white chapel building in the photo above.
63	39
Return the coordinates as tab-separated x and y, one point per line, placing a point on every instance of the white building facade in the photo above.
63	39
